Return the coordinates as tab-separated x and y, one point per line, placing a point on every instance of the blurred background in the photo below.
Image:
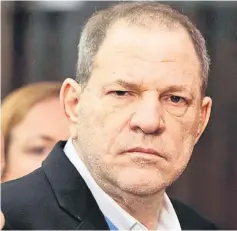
39	42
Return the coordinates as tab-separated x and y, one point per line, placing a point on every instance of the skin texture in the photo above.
144	91
2	219
32	139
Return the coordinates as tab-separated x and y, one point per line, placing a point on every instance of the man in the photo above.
136	110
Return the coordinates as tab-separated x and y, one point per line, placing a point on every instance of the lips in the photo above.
143	150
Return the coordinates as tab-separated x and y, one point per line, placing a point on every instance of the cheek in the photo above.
101	127
182	132
20	163
102	115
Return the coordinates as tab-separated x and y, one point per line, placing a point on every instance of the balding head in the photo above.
149	15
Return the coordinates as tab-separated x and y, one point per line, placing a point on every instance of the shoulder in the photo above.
24	187
23	196
190	219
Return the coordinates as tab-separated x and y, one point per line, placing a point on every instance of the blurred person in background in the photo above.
32	122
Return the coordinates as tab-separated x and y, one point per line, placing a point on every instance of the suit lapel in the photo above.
189	219
71	191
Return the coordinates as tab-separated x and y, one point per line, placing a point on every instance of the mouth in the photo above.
143	151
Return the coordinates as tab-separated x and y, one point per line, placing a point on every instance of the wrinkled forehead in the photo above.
134	51
159	41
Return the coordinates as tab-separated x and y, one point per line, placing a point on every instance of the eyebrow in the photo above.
43	137
177	88
137	87
127	85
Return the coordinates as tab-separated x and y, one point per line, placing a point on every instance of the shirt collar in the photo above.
168	219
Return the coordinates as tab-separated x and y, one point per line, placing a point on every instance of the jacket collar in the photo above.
71	191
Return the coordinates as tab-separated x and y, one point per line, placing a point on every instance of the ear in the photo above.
204	116
69	98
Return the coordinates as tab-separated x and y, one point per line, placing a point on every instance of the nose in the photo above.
148	115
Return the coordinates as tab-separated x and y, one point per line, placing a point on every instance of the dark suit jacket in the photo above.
56	197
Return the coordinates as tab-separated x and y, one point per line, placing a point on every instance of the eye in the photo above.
119	93
176	99
37	150
176	105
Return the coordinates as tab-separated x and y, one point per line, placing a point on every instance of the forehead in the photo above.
44	118
133	50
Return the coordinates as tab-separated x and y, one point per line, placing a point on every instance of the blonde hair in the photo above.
18	103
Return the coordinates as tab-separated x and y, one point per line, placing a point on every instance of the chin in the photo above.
143	182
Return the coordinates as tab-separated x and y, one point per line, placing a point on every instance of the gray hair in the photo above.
138	13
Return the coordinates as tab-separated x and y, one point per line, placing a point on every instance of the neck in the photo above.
144	208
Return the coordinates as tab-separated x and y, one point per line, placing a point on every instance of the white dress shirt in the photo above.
168	219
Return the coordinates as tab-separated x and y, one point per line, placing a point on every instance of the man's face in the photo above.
141	113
